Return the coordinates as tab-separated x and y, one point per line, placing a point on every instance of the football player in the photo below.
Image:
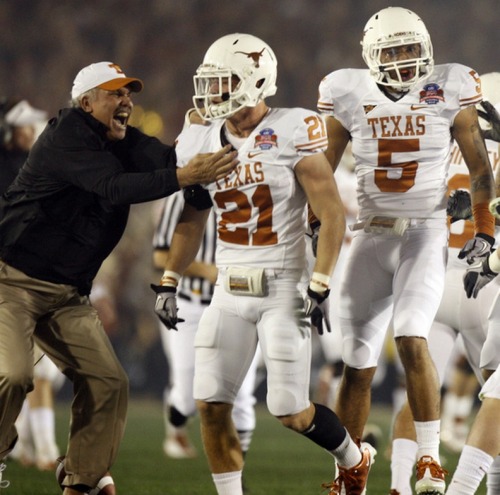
457	315
402	114
480	454
194	294
261	217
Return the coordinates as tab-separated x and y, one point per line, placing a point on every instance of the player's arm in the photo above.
185	244
467	132
316	178
187	239
200	269
338	138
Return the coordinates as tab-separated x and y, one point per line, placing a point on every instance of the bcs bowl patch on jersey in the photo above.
431	94
266	139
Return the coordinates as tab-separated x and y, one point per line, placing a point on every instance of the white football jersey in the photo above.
401	148
260	207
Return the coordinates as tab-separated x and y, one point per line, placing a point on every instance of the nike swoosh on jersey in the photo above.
418	107
252	155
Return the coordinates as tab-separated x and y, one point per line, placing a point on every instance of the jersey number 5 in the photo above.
408	170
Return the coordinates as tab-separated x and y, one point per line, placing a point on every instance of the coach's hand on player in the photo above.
477	248
166	305
477	276
491	116
317	307
205	168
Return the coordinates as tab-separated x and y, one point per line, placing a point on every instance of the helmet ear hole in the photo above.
259	83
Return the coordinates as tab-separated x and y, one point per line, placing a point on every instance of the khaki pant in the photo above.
66	327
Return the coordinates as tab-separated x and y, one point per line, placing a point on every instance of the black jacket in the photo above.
10	163
68	207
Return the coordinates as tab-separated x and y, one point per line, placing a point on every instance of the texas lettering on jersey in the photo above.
391	126
249	173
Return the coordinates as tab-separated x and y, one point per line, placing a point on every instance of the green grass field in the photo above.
279	461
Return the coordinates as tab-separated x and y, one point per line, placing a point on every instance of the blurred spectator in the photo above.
18	130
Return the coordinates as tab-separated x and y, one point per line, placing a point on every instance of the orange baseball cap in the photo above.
104	75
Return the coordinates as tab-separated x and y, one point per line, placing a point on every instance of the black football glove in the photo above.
491	116
476	248
314	226
459	205
317	306
166	305
314	240
477	276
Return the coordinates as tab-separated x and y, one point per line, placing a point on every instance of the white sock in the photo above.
464	406
493	478
428	438
403	458
332	394
228	483
455	409
23	425
472	466
448	409
245	438
42	421
347	453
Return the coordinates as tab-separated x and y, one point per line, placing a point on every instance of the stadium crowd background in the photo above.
44	43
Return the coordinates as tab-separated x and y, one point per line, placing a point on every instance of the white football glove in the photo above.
166	305
477	276
317	306
477	248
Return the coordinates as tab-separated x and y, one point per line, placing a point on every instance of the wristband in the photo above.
319	282
170	278
483	219
494	262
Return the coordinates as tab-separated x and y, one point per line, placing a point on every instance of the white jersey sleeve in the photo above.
260	207
401	147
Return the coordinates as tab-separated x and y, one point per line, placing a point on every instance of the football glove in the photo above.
491	116
459	205
166	305
477	276
317	307
476	248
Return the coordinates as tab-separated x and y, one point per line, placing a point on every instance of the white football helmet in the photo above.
490	87
245	56
393	27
